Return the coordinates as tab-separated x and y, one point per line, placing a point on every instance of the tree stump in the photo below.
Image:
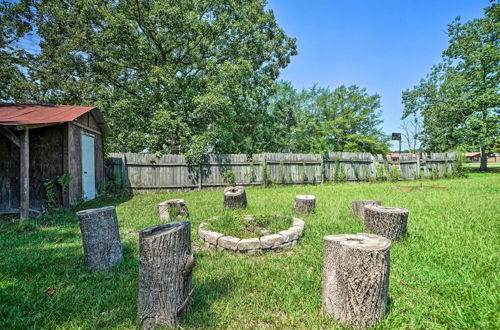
235	197
389	222
165	267
172	209
356	278
101	237
358	207
304	204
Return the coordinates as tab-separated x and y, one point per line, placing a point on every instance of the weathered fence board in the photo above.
152	172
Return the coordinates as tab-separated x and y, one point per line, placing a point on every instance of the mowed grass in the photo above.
444	275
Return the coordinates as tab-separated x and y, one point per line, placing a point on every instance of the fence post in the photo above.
374	167
322	169
200	176
418	165
124	170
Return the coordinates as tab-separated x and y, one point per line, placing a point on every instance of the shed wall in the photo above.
54	150
46	163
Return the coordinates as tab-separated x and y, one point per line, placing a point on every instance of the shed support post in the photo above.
25	174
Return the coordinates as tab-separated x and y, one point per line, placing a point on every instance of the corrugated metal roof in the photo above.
12	114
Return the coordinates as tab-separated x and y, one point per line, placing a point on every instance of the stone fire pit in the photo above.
269	241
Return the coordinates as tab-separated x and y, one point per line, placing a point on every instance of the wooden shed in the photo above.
44	142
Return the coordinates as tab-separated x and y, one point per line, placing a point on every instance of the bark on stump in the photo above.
358	207
304	204
165	267
356	278
235	197
389	222
172	209
101	237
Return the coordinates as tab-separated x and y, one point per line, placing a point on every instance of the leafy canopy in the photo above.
459	100
171	76
319	120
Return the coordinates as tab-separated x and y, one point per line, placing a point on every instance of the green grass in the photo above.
257	226
444	275
491	166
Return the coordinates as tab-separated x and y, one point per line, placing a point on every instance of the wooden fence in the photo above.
151	172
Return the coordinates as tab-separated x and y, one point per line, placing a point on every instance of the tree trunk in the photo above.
356	278
172	209
101	237
389	222
165	267
235	197
483	167
304	204
358	207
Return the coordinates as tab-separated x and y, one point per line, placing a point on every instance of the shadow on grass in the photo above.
205	293
34	258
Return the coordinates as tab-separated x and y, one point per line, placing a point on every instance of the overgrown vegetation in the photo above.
245	227
441	274
229	177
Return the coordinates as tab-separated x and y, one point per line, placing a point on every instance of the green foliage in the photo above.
394	173
229	177
319	120
342	175
64	181
459	99
266	176
458	170
380	171
250	175
172	76
355	168
50	193
260	225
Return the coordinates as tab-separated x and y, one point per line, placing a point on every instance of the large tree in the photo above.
459	100
172	76
319	120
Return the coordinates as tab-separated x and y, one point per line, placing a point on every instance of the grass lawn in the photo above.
445	274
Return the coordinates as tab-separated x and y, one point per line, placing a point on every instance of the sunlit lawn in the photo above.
443	275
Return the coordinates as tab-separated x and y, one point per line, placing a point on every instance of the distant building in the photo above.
474	157
395	156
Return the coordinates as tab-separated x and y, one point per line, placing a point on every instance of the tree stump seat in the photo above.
235	197
356	278
304	204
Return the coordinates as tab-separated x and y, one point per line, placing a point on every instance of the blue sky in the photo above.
384	46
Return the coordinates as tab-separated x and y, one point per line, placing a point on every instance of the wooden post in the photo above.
356	278
200	176
322	169
100	237
124	170
25	174
165	267
418	165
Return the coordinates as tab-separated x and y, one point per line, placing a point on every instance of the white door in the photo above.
88	168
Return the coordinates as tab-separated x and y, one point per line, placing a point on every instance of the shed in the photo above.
44	142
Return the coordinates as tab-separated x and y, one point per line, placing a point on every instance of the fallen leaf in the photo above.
50	291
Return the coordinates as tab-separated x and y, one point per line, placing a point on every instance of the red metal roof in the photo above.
472	154
29	114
